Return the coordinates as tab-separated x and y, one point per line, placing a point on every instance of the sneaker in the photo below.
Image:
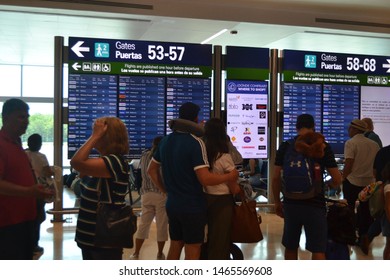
160	256
38	250
134	257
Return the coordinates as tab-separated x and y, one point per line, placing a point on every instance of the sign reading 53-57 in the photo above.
107	56
139	51
174	53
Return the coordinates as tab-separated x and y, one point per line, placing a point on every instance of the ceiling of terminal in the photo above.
27	28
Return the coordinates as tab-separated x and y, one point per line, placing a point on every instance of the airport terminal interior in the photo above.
27	47
57	239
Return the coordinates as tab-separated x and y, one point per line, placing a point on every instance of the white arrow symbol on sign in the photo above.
387	65
76	66
77	49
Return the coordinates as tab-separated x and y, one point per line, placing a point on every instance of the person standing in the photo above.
220	200
307	213
106	177
18	188
381	159
370	134
42	171
359	154
385	219
153	206
375	227
185	170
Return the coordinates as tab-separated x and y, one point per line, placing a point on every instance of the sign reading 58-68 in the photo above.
307	66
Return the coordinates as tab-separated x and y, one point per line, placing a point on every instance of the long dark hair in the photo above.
215	138
155	143
386	173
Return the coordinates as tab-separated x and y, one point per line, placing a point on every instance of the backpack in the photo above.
301	176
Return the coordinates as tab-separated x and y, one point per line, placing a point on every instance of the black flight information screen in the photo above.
300	99
143	83
181	90
141	106
89	97
341	105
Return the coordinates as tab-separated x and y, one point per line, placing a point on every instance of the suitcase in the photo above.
337	251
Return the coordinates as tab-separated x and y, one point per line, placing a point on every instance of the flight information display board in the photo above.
141	106
341	105
180	90
141	82
349	83
90	97
301	99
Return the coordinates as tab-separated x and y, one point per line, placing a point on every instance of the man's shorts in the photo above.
312	219
188	227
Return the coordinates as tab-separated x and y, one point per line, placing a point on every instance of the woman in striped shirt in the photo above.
108	174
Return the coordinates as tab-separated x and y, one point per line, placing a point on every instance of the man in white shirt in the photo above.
359	154
42	170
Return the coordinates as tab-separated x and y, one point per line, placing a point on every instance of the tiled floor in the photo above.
58	240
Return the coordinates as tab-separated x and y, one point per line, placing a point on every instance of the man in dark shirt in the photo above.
307	213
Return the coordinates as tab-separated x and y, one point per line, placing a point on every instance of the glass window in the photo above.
38	81
10	80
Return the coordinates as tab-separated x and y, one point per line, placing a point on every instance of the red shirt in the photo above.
15	168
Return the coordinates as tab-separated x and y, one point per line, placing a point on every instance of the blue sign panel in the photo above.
335	62
139	51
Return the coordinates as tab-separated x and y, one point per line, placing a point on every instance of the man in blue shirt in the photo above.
185	170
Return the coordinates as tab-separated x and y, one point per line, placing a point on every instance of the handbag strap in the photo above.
99	190
336	201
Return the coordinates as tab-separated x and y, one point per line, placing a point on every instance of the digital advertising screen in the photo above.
143	83
352	87
247	117
247	90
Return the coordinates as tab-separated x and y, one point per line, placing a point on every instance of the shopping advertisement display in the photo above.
335	88
247	88
141	82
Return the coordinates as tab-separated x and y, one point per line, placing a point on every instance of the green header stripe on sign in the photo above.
350	79
120	68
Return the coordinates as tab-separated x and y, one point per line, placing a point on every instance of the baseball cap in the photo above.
358	124
189	111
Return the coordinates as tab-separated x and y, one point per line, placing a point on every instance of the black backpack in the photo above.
341	222
301	176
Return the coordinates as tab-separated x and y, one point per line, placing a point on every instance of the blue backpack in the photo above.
301	176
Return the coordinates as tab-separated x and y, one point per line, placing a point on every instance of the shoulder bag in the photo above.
246	222
115	225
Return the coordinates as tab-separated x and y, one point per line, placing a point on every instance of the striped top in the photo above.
147	184
113	190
